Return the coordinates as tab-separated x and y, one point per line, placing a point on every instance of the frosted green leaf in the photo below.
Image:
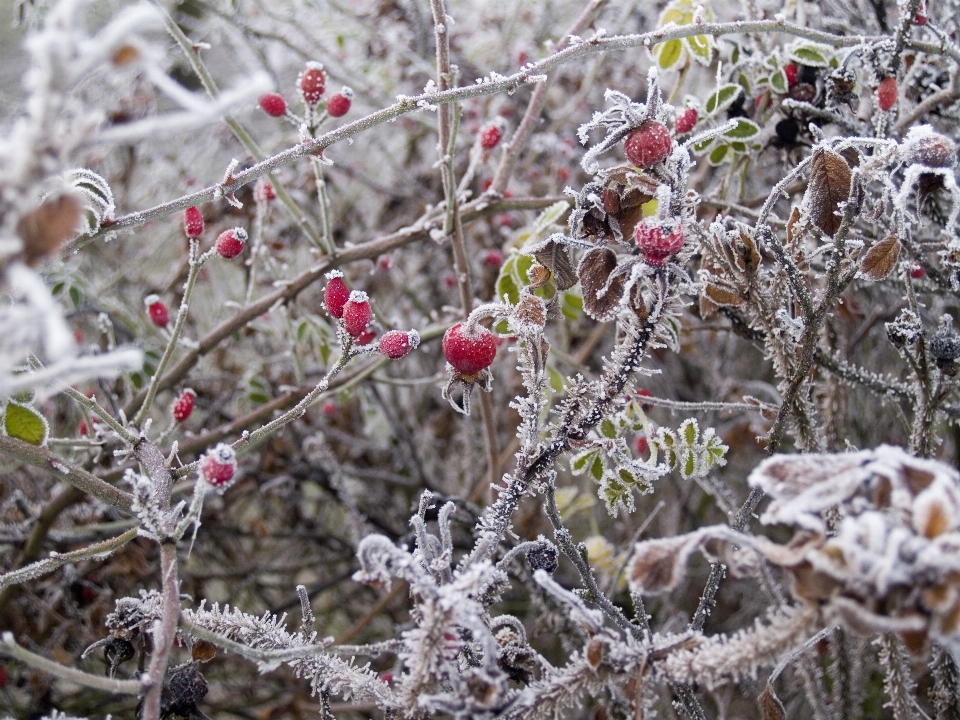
689	431
699	148
778	81
701	47
549	217
669	53
608	429
506	284
554	380
583	460
718	154
597	468
811	54
24	423
743	129
688	464
722	98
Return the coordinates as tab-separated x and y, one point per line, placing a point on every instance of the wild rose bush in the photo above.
408	360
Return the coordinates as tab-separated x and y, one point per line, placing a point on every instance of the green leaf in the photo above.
302	328
701	47
597	468
699	148
815	55
75	296
718	154
24	423
669	53
688	464
689	431
137	380
583	460
722	98
571	305
549	217
743	129
608	429
506	285
554	380
258	398
778	81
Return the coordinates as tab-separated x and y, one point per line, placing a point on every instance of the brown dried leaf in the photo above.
881	259
749	253
530	313
770	705
791	223
538	276
43	230
829	186
722	296
203	650
708	308
556	259
601	295
594	652
658	566
628	218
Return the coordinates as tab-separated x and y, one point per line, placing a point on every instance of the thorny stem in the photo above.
531	73
93	406
446	146
57	560
196	262
10	648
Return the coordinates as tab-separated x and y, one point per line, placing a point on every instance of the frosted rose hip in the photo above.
158	311
273	104
219	466
357	313
193	222
312	82
396	343
648	144
339	104
183	406
335	294
230	243
469	352
658	242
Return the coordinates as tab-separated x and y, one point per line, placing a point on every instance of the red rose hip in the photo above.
339	104
273	105
158	311
490	135
469	350
396	343
219	466
357	313
312	82
887	93
658	242
230	243
193	222
648	144
686	121
335	294
183	406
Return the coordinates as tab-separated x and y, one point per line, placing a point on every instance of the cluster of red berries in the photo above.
311	85
352	309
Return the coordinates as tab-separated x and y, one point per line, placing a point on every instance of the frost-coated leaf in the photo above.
778	81
829	186
722	98
601	296
701	47
669	53
743	129
718	154
811	54
770	705
722	296
881	259
24	423
658	566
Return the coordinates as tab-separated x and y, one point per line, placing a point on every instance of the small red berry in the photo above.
312	82
641	445
219	466
396	343
263	191
469	350
686	121
491	134
158	311
357	313
328	408
493	258
485	184
335	294
648	144
387	677
365	338
339	104
273	105
658	242
183	405
385	262
791	71
82	428
887	93
917	271
923	146
449	280
230	243
646	407
563	174
193	222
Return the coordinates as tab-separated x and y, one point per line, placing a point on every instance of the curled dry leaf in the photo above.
830	179
556	258
770	705
658	566
722	296
530	315
601	293
46	228
749	255
792	226
881	259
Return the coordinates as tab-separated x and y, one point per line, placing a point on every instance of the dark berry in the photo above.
543	556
